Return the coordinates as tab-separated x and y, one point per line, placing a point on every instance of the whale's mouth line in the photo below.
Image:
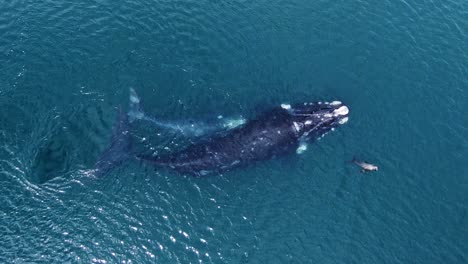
341	112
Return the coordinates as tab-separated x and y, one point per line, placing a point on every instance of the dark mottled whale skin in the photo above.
276	132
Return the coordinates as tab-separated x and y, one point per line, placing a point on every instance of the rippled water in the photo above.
401	66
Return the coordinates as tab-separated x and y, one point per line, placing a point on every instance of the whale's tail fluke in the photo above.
120	148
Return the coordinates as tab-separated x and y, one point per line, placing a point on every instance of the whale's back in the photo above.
263	138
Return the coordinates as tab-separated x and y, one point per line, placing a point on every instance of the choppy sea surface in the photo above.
401	66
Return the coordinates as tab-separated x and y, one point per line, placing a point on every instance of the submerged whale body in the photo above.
279	131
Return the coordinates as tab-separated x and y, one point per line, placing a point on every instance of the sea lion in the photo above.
365	166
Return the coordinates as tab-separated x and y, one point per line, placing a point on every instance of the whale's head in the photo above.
313	120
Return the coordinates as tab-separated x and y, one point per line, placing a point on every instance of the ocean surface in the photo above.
400	66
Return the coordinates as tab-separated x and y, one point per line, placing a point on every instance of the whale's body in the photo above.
267	136
278	131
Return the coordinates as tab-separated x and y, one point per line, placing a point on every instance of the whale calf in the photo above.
281	130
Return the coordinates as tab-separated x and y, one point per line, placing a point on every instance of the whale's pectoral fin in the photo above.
230	123
302	147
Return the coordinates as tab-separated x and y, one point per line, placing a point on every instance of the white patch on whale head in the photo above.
343	120
343	110
296	126
286	106
308	122
335	103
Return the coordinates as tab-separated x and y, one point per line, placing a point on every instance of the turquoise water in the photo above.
402	67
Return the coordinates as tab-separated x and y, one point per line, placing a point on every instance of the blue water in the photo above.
401	66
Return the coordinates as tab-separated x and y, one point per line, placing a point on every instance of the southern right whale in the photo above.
281	130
